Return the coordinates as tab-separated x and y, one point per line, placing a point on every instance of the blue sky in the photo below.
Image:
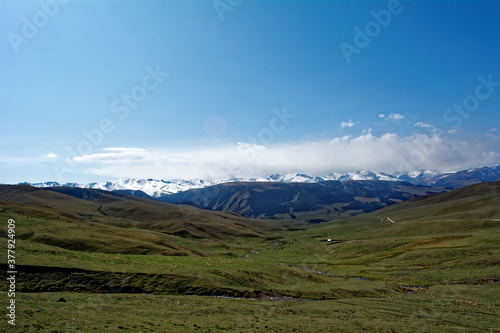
101	90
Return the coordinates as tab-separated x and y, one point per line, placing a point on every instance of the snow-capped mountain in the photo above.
293	178
159	187
152	187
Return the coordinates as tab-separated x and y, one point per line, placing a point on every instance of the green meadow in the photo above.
458	308
430	264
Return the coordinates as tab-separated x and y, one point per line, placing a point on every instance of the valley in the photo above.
431	261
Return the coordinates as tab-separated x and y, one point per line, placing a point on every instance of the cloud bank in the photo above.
385	153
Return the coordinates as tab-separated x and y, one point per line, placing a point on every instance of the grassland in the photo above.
430	264
440	309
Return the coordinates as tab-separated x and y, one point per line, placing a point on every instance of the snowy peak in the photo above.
153	187
158	187
420	177
293	178
367	175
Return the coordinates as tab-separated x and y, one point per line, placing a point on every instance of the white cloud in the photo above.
396	116
116	154
347	123
451	132
491	134
422	124
51	156
392	116
388	152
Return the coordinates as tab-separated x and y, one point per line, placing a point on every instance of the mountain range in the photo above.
157	188
312	202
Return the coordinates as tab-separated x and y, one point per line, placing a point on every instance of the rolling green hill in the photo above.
128	211
476	207
435	256
42	226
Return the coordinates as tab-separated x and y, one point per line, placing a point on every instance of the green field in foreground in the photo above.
457	308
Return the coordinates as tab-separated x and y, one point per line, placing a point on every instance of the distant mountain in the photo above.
158	188
313	202
151	187
466	177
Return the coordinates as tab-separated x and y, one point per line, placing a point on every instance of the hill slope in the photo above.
475	207
128	211
39	228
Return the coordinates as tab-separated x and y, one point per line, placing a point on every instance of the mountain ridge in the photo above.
313	202
157	188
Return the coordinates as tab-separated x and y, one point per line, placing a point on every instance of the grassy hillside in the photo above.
463	210
127	211
434	256
42	227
